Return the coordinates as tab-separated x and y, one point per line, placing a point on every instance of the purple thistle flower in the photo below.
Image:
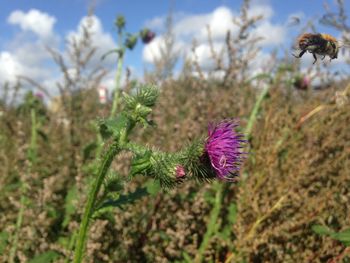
223	147
39	95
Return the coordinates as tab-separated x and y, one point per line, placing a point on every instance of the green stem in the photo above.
81	239
18	226
117	86
33	136
71	243
118	74
212	226
255	111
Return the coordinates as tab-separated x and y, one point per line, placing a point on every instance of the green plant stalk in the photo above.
18	226
71	245
118	74
216	208
254	114
117	85
81	238
212	226
33	136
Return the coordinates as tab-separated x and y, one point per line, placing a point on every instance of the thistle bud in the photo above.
130	41
147	35
180	171
120	22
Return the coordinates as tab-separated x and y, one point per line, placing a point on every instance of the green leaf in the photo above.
88	149
46	257
232	213
153	187
343	236
322	230
209	197
112	182
140	163
131	41
69	205
117	50
113	126
4	236
187	257
125	199
43	135
105	213
51	210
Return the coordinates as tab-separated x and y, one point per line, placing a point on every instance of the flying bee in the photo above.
318	44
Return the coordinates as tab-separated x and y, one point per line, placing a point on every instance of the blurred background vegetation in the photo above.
294	189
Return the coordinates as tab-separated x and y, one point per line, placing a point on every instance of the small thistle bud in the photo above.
302	82
120	22
147	35
180	171
223	148
130	41
39	95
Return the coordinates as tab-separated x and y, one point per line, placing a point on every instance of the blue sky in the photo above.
27	26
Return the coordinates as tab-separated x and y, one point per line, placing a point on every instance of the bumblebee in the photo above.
318	44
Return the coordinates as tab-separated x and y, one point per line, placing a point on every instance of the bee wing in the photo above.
344	44
293	21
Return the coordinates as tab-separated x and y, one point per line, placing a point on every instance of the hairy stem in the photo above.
82	235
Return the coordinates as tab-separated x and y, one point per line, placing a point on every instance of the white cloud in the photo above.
153	51
220	21
156	23
34	20
25	56
203	54
271	34
102	40
260	9
9	66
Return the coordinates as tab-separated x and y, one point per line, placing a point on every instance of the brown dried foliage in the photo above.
293	178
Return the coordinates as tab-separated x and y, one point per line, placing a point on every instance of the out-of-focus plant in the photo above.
218	156
164	64
125	41
234	59
33	103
